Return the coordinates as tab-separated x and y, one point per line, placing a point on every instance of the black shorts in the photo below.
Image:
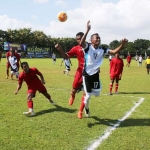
91	82
148	66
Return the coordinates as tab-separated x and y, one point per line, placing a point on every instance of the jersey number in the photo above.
95	85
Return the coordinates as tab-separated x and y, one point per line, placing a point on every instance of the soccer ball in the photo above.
62	16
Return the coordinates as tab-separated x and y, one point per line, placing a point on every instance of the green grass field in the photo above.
59	128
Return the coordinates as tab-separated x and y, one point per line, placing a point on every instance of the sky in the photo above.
112	19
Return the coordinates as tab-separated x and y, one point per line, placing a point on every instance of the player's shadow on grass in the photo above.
134	92
56	108
125	123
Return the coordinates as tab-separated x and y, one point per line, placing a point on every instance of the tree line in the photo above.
40	39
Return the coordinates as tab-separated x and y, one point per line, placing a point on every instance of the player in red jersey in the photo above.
128	60
116	69
78	52
18	59
29	75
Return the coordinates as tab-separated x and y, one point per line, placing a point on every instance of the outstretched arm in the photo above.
59	48
82	42
123	43
18	88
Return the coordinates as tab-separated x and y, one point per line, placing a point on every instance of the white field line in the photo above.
109	131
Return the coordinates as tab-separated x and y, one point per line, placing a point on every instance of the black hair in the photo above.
94	34
80	33
24	63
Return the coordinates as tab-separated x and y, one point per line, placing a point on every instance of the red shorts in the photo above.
41	88
7	65
77	79
115	76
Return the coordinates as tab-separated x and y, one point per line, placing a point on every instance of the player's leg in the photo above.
42	89
86	97
112	78
7	69
30	95
117	85
76	85
48	96
82	105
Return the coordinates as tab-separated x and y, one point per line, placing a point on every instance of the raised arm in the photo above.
82	42
59	48
123	43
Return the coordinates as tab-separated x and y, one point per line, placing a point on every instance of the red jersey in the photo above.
30	78
7	54
18	57
128	58
78	52
116	66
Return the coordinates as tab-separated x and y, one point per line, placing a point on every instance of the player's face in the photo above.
96	40
25	68
78	38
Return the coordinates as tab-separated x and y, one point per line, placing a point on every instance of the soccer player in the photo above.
18	59
67	63
13	64
116	69
7	63
93	59
140	61
54	58
29	75
147	63
128	60
78	52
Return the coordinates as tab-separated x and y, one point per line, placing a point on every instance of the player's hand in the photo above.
124	41
57	46
88	25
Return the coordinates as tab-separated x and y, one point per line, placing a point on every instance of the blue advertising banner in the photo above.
19	47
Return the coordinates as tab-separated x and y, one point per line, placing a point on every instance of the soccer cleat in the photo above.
116	93
87	112
80	115
6	77
28	113
110	94
71	100
52	102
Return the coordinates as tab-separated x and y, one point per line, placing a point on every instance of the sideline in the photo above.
109	131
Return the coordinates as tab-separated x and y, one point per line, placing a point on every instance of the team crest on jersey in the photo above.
95	55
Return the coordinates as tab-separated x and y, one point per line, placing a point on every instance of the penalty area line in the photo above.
109	131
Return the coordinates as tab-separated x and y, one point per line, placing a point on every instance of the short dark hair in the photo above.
80	33
94	34
24	63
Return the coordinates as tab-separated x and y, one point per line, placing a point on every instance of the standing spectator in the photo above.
67	63
147	63
128	60
140	61
29	75
54	58
93	59
116	69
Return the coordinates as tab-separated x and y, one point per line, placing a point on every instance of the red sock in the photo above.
110	87
82	105
116	87
30	104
